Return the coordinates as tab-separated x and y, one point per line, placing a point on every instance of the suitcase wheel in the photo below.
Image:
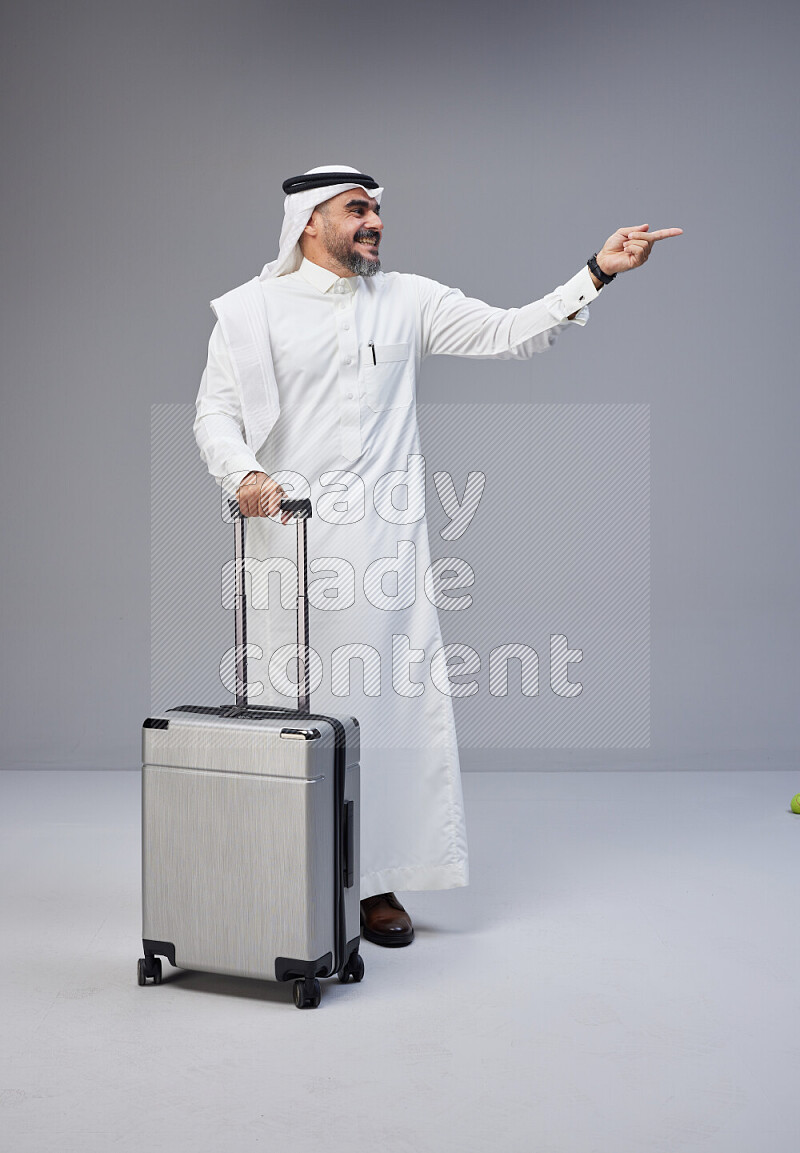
354	968
307	993
149	967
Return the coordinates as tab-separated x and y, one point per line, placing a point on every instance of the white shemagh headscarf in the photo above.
242	313
297	209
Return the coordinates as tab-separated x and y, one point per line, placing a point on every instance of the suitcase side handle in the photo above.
349	840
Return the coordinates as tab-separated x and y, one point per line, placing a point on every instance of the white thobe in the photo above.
346	354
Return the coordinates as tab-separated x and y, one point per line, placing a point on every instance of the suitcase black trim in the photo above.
160	949
342	866
156	723
288	967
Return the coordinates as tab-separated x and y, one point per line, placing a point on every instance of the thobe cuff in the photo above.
580	317
224	450
572	297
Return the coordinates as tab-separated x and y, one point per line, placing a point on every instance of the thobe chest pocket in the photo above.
388	380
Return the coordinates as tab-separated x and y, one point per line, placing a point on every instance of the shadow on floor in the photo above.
221	984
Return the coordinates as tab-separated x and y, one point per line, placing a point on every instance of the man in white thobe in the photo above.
310	391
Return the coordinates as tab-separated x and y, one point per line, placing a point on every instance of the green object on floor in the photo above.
796	803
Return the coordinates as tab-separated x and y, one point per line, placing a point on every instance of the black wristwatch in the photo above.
597	271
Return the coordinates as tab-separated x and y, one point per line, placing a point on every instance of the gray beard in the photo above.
361	265
338	248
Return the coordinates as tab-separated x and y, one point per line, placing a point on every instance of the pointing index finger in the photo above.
662	234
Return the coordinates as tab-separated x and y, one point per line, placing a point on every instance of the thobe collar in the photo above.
326	281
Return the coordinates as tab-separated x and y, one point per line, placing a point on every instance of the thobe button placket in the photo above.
350	414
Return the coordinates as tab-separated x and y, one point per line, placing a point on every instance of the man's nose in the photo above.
375	222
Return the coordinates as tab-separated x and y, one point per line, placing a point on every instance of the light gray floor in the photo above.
619	977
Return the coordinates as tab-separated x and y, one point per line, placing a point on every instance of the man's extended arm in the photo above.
459	326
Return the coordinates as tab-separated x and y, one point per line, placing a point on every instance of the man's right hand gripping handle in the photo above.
260	495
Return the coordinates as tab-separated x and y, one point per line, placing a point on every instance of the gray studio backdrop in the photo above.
143	148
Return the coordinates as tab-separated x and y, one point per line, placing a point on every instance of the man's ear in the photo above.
312	228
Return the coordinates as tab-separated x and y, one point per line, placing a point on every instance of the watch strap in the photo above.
597	271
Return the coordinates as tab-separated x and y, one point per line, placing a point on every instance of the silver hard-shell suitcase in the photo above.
250	828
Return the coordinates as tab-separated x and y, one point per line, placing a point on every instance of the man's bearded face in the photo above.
351	232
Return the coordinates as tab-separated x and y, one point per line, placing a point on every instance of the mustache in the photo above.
368	235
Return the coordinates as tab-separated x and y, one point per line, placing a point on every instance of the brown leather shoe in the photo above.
384	921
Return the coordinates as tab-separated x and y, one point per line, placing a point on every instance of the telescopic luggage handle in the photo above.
301	511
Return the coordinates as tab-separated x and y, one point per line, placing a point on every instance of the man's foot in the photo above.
384	921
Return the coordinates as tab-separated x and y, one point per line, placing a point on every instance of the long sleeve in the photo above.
457	325
218	426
